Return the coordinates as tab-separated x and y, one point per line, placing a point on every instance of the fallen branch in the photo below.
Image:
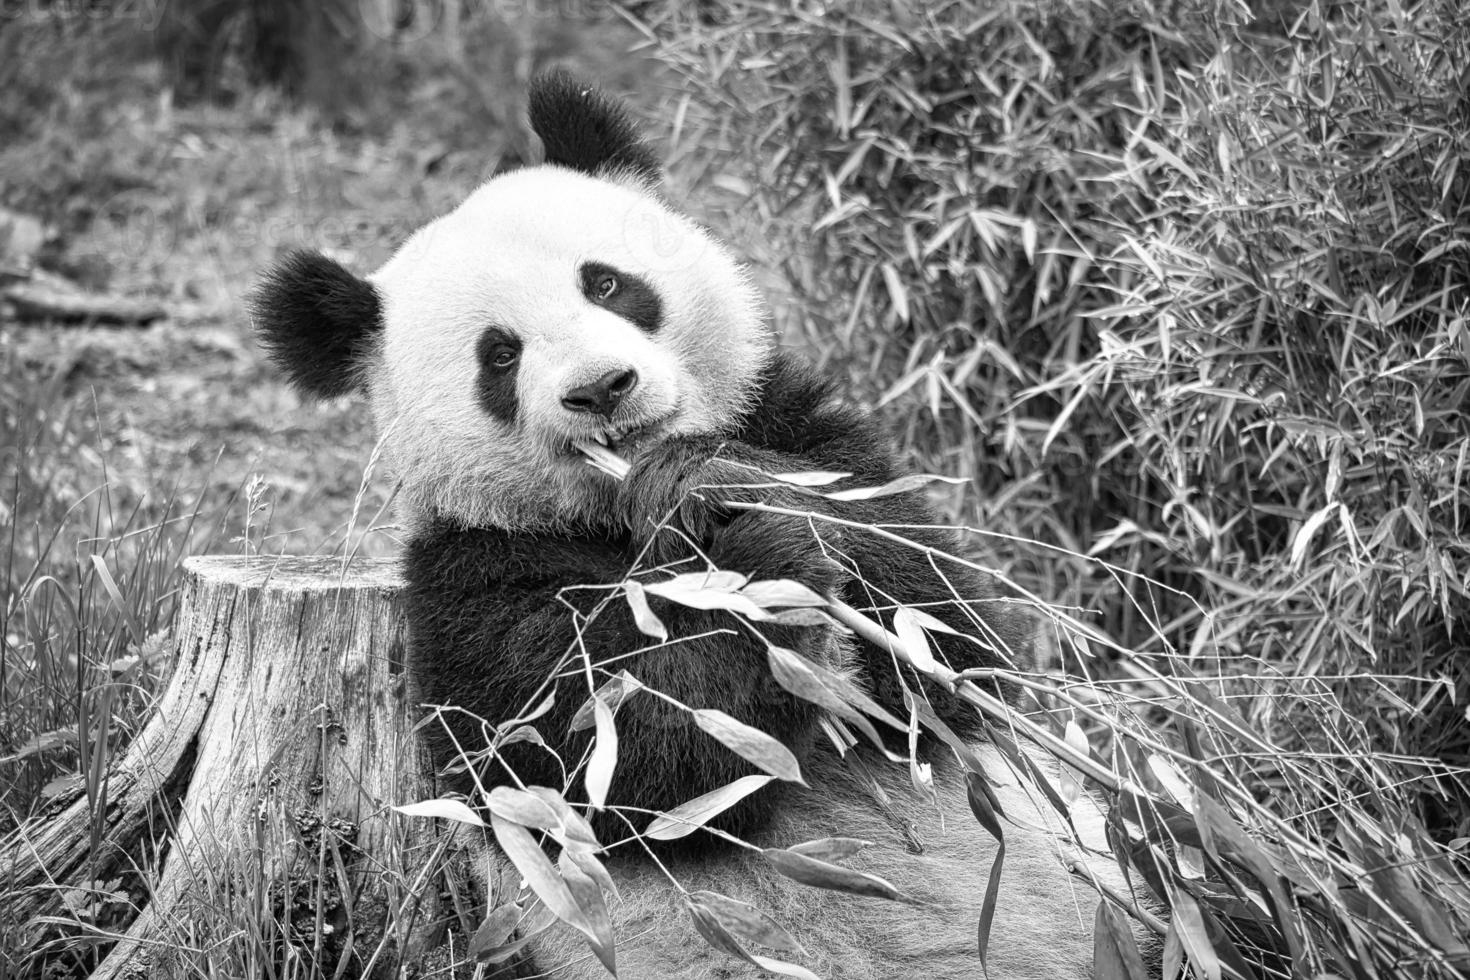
55	299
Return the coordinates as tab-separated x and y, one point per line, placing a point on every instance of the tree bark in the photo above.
255	802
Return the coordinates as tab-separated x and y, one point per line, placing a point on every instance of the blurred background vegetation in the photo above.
1181	287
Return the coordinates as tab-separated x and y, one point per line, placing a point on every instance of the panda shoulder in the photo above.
805	412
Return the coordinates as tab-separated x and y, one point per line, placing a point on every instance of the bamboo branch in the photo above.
874	632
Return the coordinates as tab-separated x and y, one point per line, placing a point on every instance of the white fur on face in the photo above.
510	257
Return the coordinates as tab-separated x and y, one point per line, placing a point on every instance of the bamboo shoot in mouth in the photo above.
604	459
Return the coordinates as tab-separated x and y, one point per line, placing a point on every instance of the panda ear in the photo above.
318	322
585	129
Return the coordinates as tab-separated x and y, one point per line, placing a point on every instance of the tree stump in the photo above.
259	790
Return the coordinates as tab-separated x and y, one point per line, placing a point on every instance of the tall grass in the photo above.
89	578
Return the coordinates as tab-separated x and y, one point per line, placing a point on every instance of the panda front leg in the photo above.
501	620
672	506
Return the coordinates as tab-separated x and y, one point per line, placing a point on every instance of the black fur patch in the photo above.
584	129
490	621
634	299
319	323
497	382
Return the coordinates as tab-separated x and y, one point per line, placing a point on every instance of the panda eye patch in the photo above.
498	350
498	353
629	296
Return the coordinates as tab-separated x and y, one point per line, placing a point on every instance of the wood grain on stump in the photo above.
260	788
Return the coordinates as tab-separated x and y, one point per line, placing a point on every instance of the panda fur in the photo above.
569	303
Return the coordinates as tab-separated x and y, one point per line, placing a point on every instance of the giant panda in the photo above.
568	305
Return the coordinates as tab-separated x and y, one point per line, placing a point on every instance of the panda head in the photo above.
560	304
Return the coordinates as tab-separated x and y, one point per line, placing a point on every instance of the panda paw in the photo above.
679	485
675	502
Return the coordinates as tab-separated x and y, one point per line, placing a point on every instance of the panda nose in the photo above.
602	396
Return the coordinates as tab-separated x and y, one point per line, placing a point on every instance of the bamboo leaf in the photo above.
593	868
496	930
708	590
802	678
745	921
613	693
833	877
932	623
521	849
915	640
688	817
903	484
782	593
714	932
588	896
643	616
504	923
802	672
1060	422
751	744
982	803
1115	953
802	616
1307	531
521	733
519	806
782	968
812	478
604	755
709	927
897	293
1173	781
1070	778
443	809
1189	925
495	955
575	830
1398	885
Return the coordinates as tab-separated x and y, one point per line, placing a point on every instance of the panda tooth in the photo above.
601	437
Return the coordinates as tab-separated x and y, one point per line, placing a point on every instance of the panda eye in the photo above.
605	287
503	357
